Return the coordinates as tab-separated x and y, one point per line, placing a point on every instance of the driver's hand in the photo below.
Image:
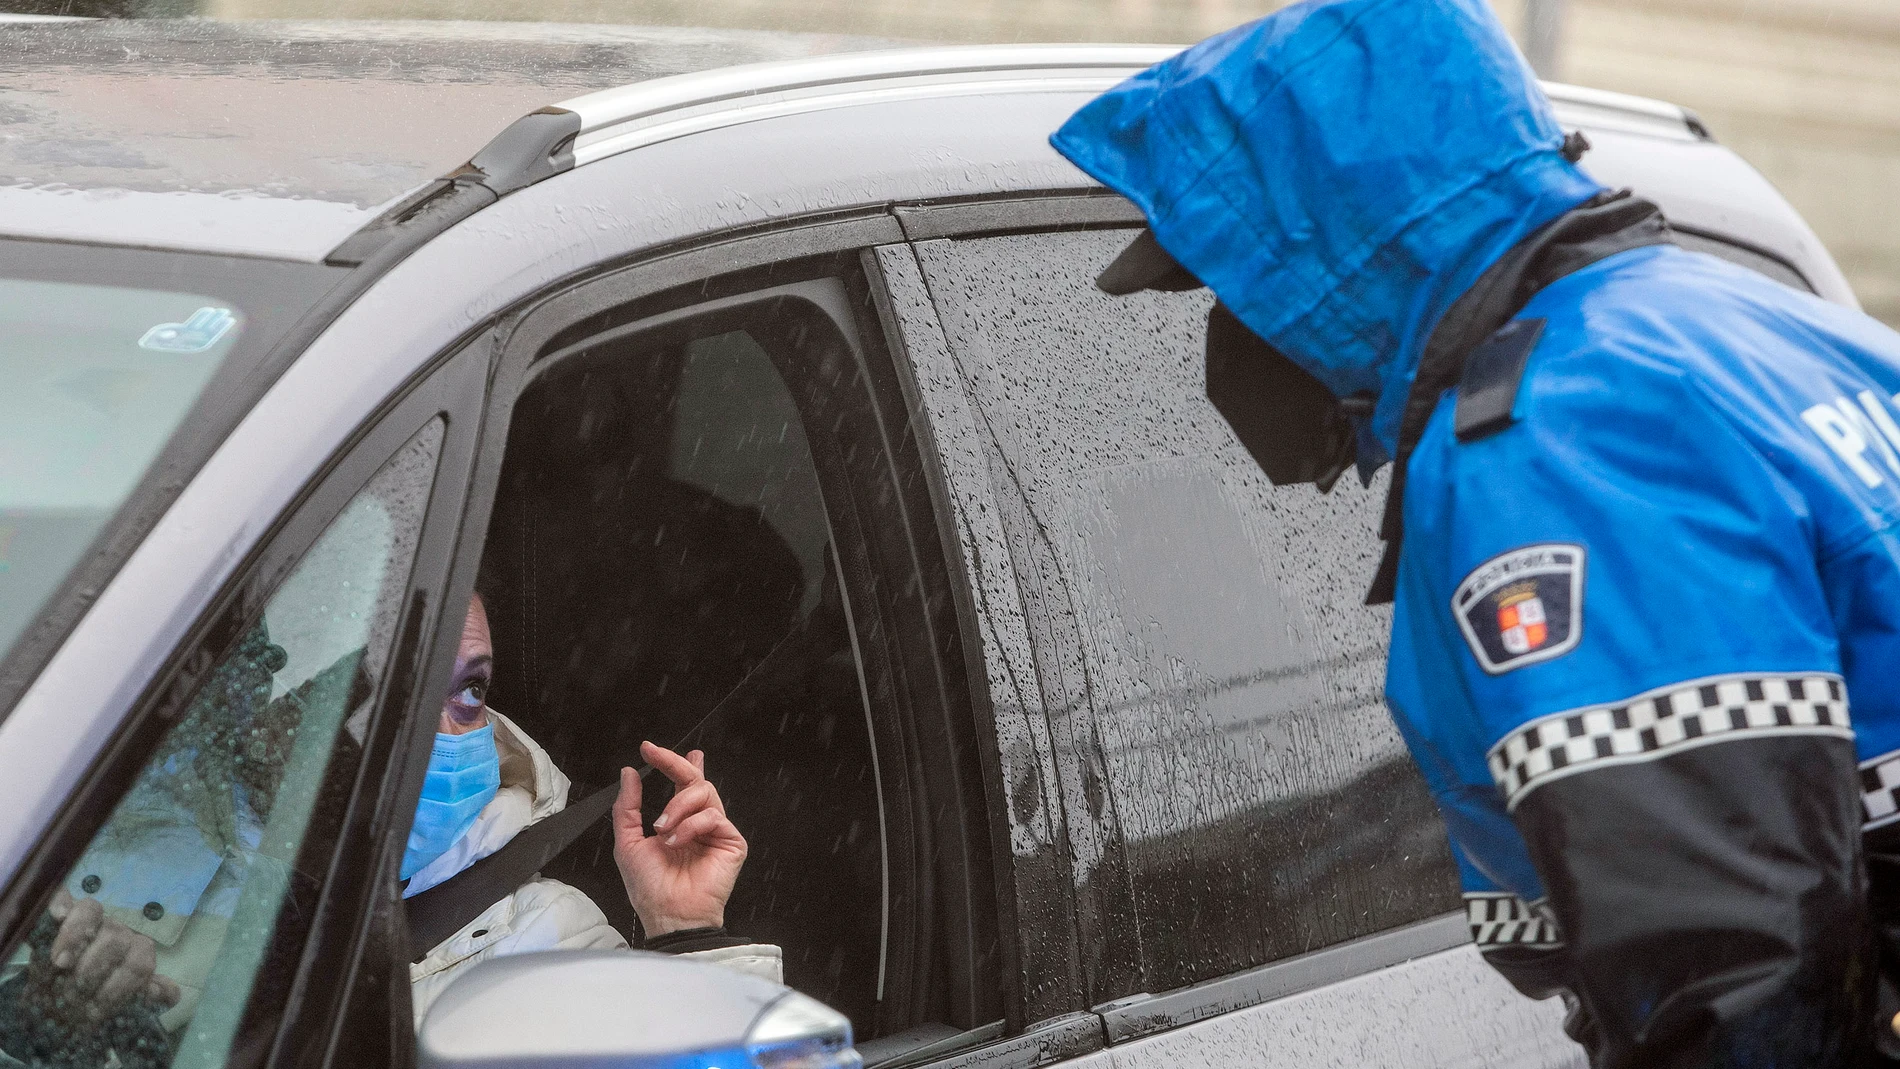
680	875
101	963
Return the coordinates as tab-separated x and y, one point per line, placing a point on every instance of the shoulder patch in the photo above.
1522	606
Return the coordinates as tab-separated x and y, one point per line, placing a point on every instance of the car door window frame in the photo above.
899	635
367	1017
450	391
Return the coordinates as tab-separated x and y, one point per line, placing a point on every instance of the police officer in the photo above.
1646	639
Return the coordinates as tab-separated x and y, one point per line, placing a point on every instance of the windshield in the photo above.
107	358
97	378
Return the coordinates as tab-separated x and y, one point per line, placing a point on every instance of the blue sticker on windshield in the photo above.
196	334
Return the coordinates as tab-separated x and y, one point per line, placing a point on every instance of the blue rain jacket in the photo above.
1644	636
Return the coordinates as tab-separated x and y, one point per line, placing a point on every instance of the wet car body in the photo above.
1136	797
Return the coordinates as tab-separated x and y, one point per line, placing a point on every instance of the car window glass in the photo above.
658	537
1234	790
209	859
119	364
97	378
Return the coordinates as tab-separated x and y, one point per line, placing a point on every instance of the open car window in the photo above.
708	531
658	538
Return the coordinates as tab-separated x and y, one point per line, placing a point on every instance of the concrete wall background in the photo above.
1806	90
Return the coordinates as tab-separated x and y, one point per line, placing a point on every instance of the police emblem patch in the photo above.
1523	606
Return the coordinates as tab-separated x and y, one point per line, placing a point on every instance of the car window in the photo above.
1233	788
112	358
659	537
209	860
98	377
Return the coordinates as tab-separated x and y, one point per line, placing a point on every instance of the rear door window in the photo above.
1234	789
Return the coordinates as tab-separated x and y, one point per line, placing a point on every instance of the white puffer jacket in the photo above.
542	914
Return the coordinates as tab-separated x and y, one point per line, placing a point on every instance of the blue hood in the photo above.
1338	173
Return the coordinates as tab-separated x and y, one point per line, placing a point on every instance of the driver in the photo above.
488	781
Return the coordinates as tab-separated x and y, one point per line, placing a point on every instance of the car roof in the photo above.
282	137
627	117
285	138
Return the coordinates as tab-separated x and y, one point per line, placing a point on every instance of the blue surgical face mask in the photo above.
464	774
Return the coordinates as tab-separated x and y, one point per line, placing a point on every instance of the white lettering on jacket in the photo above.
1851	430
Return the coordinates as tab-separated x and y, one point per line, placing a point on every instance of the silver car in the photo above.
759	358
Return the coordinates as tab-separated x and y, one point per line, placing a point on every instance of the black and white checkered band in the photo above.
1669	718
1502	919
1880	791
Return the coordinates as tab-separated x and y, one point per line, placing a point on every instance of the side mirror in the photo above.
608	1009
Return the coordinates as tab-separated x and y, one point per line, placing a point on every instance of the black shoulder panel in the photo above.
1488	390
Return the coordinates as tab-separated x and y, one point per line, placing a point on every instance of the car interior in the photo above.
658	535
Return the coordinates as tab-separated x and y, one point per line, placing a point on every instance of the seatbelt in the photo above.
448	907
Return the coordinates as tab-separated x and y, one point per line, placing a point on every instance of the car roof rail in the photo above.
1644	112
616	120
587	128
562	136
538	145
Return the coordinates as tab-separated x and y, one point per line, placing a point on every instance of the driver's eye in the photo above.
472	695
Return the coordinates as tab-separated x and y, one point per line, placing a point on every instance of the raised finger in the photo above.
706	826
133	973
674	767
698	758
101	958
77	932
689	800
